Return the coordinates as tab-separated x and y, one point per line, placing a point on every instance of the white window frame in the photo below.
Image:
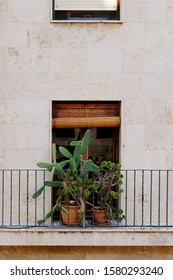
120	20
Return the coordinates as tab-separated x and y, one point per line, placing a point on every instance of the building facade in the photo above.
127	61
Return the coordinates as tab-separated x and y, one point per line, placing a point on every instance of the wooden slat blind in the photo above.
85	115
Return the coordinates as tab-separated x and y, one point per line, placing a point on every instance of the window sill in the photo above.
87	21
87	237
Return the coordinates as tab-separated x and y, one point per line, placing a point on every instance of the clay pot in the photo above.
74	215
100	216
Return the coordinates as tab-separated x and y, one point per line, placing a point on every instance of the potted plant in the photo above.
109	181
70	177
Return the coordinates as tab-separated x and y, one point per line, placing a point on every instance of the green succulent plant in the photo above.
109	181
69	176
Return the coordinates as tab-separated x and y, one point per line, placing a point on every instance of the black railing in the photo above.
146	201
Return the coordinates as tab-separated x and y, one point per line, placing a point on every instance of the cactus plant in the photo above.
72	182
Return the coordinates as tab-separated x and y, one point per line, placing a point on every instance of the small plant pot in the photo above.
100	216
73	218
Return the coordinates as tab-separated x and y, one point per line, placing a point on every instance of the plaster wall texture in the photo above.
131	62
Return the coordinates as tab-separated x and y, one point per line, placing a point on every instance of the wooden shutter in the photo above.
85	115
86	5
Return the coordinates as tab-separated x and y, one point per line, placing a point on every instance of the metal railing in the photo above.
146	201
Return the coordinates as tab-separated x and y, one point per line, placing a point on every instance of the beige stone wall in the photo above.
86	253
42	61
131	62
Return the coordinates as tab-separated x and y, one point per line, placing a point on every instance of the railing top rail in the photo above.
123	169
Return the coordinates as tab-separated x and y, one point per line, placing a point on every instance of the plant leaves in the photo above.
73	165
49	166
53	183
65	152
41	221
75	143
77	151
88	166
54	152
49	214
65	211
38	192
86	139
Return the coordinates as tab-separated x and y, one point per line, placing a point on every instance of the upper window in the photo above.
86	10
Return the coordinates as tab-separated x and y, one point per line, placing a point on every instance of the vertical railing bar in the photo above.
93	202
134	209
126	201
142	198
167	196
35	199
11	197
3	175
27	198
159	201
151	197
44	195
19	197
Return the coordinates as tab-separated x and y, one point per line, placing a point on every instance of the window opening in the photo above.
86	10
70	120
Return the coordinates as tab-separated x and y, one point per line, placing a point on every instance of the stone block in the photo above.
133	35
155	137
13	35
15	85
132	159
102	60
15	137
38	35
30	11
28	111
143	60
144	159
3	60
155	111
2	158
19	60
145	11
169	60
38	137
155	85
155	35
133	137
154	159
2	111
169	136
39	60
2	137
169	160
169	11
86	35
67	60
3	10
133	112
169	111
15	159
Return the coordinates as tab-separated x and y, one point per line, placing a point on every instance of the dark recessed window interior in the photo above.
85	15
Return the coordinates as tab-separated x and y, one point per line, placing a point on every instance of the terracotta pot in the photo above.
100	216
74	215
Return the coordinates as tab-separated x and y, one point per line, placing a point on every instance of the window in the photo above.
86	10
71	119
